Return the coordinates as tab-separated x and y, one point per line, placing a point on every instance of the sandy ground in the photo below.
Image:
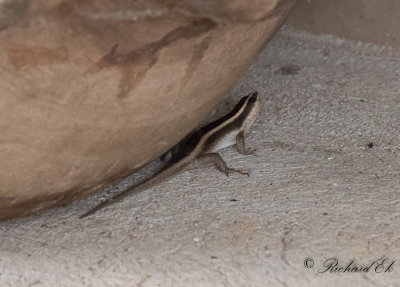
324	184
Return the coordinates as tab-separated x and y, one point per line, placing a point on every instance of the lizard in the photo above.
203	145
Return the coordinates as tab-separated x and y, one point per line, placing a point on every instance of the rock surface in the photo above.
91	90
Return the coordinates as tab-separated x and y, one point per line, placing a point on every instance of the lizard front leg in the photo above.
240	145
219	163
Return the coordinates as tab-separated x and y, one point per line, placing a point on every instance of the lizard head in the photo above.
251	110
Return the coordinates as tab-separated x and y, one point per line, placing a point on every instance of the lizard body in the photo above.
203	145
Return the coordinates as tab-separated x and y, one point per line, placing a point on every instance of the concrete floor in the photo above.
316	191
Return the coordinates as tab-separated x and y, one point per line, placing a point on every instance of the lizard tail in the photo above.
138	188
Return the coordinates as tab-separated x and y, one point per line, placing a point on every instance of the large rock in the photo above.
91	90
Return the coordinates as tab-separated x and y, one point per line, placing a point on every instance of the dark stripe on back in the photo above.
216	123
